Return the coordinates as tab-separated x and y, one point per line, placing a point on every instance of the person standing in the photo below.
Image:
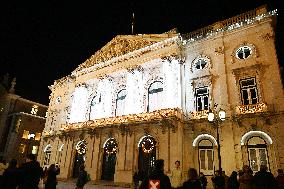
82	178
30	173
218	180
203	180
176	176
193	182
233	182
3	166
280	179
246	178
51	181
10	176
157	179
264	179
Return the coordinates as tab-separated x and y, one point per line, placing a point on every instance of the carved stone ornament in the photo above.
219	50
119	46
267	36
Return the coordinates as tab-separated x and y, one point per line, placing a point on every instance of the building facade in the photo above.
147	97
21	123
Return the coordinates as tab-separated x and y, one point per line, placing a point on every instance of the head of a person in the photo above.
13	163
201	174
217	173
223	173
192	173
82	167
159	164
234	174
246	169
31	157
263	168
280	171
51	167
177	164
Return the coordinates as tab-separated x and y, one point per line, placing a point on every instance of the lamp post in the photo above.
216	118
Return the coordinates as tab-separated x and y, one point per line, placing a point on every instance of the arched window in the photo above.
95	107
155	96
120	103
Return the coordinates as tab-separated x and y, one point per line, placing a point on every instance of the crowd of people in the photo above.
244	179
27	175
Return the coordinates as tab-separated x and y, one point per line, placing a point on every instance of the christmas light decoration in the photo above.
147	144
251	108
110	146
81	147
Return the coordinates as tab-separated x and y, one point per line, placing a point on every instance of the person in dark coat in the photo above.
233	182
280	179
10	176
203	180
51	181
82	178
193	181
218	180
30	173
264	179
157	179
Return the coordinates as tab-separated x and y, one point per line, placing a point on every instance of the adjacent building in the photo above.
21	123
147	96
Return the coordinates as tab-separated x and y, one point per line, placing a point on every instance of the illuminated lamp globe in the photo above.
222	115
210	116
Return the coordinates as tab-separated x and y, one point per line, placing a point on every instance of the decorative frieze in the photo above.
251	108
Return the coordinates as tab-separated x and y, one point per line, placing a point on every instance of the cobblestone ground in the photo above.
71	185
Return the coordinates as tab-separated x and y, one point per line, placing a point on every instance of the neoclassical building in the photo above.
147	96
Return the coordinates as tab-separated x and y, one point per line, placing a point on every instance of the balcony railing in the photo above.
251	108
199	114
125	119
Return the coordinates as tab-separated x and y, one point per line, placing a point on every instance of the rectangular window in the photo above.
202	98
206	161
257	157
249	92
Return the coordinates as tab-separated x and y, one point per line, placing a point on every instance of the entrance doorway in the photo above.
147	155
257	151
109	159
80	157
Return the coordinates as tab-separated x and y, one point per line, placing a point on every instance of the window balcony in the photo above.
199	114
251	108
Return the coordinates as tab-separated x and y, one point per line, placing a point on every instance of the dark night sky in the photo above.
43	41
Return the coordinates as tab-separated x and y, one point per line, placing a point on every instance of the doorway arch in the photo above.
80	157
147	155
109	159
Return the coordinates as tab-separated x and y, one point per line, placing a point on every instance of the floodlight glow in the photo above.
250	134
204	136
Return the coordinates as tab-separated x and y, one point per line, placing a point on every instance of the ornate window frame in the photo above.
195	61
254	52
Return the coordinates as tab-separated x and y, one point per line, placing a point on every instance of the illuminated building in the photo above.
147	96
21	123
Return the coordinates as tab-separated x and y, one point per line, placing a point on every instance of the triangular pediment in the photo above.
121	45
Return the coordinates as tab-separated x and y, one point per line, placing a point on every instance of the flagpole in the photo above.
132	25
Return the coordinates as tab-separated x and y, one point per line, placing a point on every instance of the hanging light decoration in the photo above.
148	144
110	146
81	147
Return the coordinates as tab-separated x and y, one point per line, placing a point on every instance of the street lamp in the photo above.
216	118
